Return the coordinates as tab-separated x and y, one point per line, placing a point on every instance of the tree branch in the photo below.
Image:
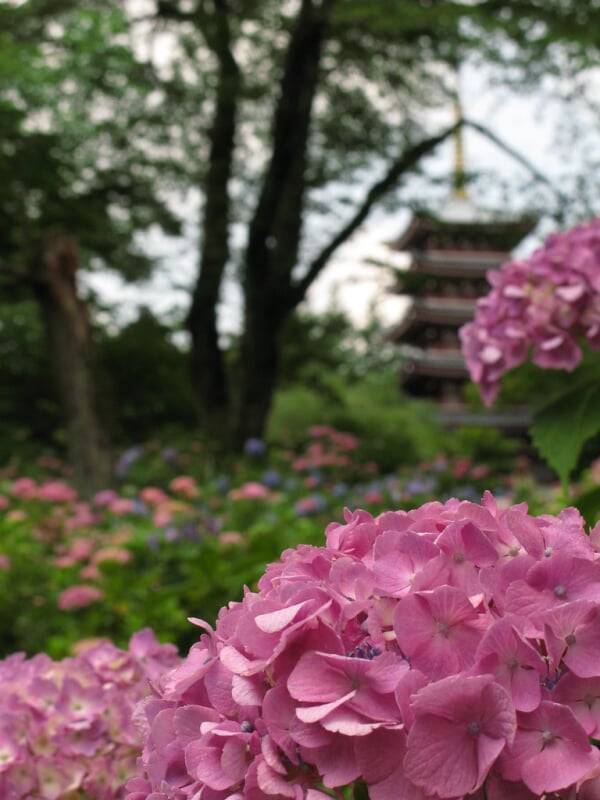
539	176
396	170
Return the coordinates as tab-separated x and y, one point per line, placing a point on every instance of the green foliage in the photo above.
75	119
488	445
565	408
393	429
29	413
149	377
561	427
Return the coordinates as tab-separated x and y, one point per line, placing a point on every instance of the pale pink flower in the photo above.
541	306
56	492
250	491
105	497
90	573
116	554
79	597
24	488
227	538
66	727
120	506
153	496
184	485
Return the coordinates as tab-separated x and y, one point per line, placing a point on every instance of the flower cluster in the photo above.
66	726
450	651
541	305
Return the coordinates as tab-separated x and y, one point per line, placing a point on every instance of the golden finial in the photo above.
460	189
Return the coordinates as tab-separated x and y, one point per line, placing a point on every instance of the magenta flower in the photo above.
582	696
438	630
551	583
514	662
449	651
346	695
542	305
572	634
550	751
461	726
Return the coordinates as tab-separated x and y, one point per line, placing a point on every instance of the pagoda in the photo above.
450	253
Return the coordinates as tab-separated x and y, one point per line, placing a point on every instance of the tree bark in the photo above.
274	232
71	348
207	361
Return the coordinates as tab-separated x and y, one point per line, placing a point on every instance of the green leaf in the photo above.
561	428
588	504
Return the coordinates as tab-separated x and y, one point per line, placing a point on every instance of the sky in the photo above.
528	124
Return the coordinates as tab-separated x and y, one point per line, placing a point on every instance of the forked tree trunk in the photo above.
71	349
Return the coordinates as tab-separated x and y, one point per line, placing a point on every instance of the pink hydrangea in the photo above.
185	485
153	496
450	651
56	492
66	727
24	488
251	490
79	596
542	307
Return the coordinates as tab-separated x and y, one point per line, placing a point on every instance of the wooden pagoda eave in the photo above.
424	223
448	314
456	264
442	364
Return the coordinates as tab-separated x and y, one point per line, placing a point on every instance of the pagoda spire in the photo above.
460	184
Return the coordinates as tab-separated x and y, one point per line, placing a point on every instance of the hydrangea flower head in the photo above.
66	727
542	307
430	654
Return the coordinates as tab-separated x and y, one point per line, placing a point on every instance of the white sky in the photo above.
527	124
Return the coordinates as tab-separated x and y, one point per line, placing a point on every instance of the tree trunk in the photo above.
208	370
257	370
71	350
274	232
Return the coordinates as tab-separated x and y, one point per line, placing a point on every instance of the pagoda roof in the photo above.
461	218
516	420
453	310
469	262
445	311
443	363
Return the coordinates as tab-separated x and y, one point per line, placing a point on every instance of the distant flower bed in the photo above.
71	569
450	651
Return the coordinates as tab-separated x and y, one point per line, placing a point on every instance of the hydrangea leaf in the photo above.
561	428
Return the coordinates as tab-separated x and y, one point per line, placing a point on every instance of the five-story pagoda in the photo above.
451	251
